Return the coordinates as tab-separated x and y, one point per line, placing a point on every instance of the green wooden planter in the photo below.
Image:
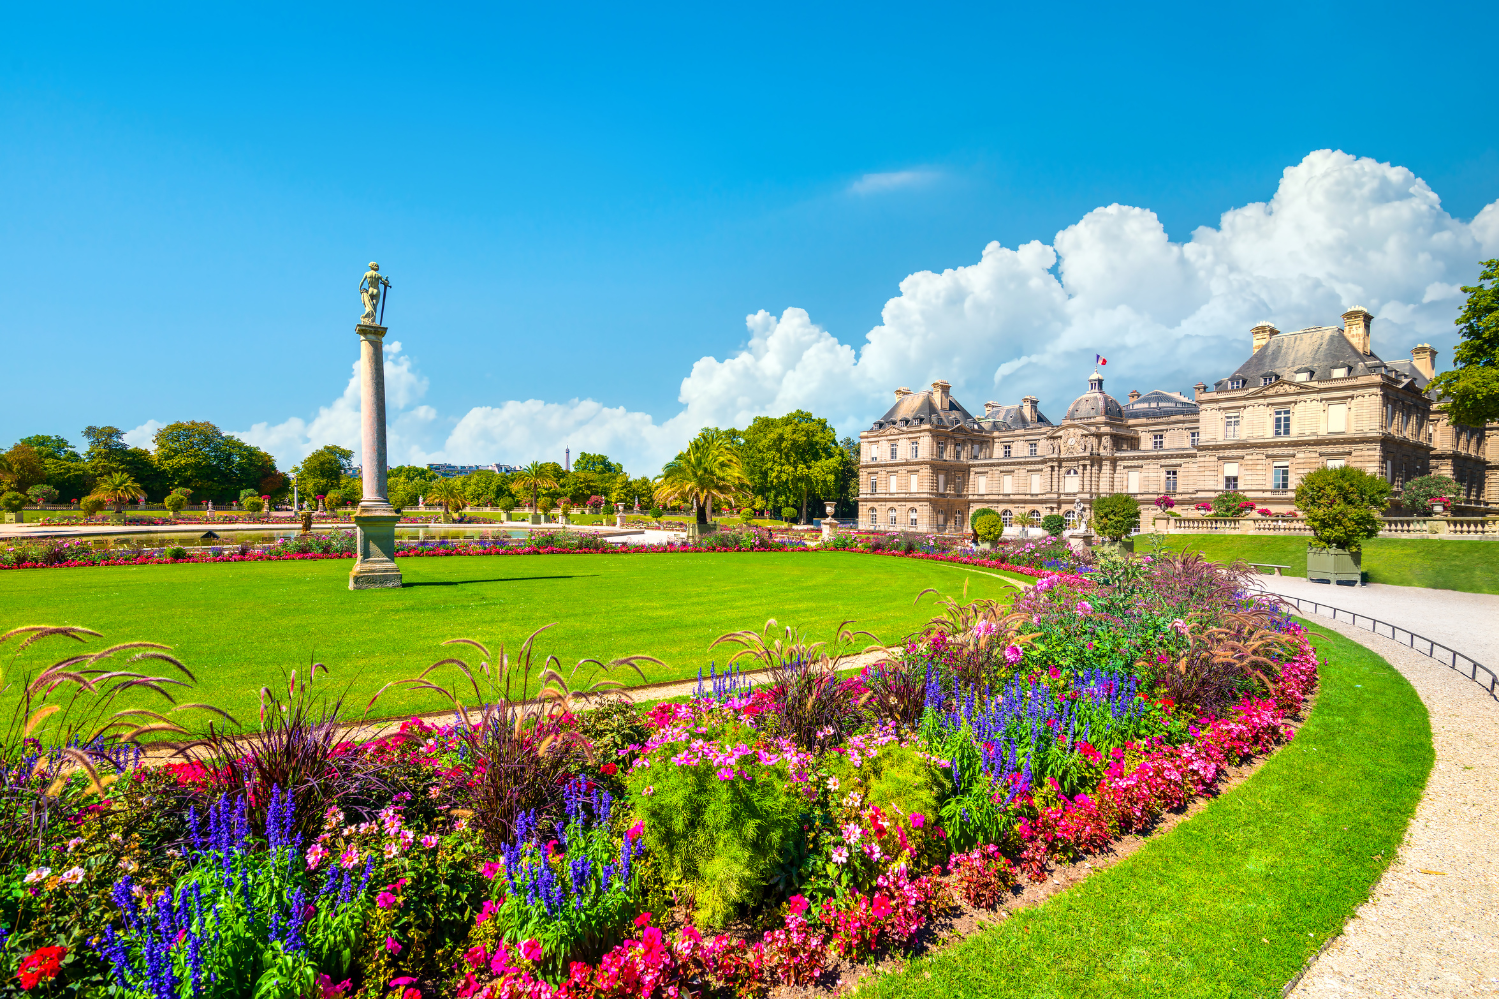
1334	565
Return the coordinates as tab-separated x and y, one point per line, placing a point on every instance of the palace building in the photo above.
1299	401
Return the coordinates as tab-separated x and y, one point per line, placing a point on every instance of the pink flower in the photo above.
491	869
348	858
1083	607
798	904
327	990
636	830
643	920
316	854
393	945
881	908
917	820
385	900
396	983
429	841
531	950
490	909
1013	654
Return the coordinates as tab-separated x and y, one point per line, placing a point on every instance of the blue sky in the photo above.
577	206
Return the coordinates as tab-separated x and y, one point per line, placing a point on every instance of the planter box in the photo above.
19	517
696	530
1123	546
1334	565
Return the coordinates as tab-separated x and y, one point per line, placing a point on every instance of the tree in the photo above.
599	464
791	457
1116	515
42	494
448	492
107	452
24	468
13	502
1054	523
1342	505
401	493
116	489
174	502
988	527
708	471
1471	390
198	454
90	505
534	478
1417	494
324	470
483	488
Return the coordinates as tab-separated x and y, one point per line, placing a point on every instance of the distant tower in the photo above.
567	459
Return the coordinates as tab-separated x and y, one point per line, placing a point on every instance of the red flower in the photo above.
40	966
609	769
881	907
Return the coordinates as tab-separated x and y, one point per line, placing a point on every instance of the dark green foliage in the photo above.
1342	505
1229	504
1054	523
12	502
1471	390
1417	494
1115	515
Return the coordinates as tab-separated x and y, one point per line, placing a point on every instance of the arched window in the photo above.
1070	481
912	514
1036	517
1006	516
892	516
1069	517
874	517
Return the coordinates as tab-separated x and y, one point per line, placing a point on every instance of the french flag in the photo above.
1100	359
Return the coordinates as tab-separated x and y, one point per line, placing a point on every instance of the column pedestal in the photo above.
375	551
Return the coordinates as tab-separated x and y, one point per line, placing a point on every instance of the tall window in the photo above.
892	516
911	513
1230	475
1069	518
1230	426
1282	423
1035	483
894	483
941	518
1280	475
981	484
1132	481
873	450
915	483
941	478
894	450
1157	442
1070	481
1389	415
1007	451
874	517
1389	470
874	484
1005	517
1171	480
941	449
1337	418
915	449
1031	449
1193	437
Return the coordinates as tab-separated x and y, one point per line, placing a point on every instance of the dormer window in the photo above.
1235	383
1304	375
1340	372
1267	379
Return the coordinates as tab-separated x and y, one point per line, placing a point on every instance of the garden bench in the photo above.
1269	565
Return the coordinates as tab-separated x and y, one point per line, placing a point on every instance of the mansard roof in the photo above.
1316	350
921	409
1159	403
1011	418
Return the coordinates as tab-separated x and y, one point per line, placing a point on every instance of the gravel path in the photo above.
1431	927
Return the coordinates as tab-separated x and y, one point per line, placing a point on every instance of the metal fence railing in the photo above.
1443	654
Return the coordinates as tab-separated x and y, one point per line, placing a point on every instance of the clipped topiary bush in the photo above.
1053	524
1342	506
1116	515
12	502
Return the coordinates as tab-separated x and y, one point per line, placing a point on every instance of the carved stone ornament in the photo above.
1072	441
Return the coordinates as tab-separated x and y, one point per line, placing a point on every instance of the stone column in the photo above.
375	520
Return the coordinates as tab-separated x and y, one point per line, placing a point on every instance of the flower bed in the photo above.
747	838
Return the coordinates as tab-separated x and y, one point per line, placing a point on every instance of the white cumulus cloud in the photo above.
1338	231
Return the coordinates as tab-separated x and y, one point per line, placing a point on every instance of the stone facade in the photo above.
1301	400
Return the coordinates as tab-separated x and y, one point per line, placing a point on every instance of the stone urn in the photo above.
829	525
1439	507
619	515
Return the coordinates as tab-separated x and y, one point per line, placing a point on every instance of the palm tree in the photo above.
708	470
532	478
448	492
117	489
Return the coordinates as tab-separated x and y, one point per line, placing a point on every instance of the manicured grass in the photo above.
1233	901
241	626
1445	565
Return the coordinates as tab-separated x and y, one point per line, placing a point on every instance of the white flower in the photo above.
127	865
650	789
832	783
115	837
840	855
40	874
75	843
852	833
71	876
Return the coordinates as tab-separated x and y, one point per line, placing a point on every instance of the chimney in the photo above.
1261	334
1198	389
1356	323
1424	357
990	407
940	395
1028	406
1134	394
901	393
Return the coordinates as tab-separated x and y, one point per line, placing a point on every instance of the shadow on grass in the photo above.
1234	900
509	579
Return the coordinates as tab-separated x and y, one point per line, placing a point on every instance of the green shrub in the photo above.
1417	494
174	503
1053	523
175	552
42	494
983	511
990	528
657	513
252	504
1342	505
719	840
13	502
1114	516
90	505
788	513
1227	504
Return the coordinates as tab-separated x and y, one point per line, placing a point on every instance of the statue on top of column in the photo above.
371	290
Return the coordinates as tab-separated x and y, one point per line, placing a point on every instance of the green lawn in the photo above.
239	626
1444	565
1233	901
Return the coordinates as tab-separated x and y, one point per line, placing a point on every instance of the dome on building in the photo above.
1159	403
1094	403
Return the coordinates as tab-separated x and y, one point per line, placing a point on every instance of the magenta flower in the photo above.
636	830
491	870
1013	654
881	907
531	950
393	945
1083	607
917	820
798	904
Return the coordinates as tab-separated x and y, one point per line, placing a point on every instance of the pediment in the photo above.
1280	388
